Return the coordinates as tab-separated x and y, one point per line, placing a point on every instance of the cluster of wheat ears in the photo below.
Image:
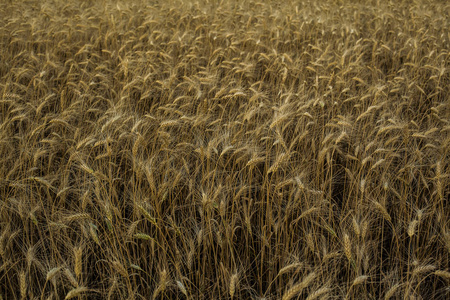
224	149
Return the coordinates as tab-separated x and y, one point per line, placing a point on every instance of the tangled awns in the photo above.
206	149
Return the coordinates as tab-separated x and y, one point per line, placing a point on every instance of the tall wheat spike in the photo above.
233	283
78	253
23	285
347	247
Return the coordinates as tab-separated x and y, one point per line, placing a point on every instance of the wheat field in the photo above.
224	149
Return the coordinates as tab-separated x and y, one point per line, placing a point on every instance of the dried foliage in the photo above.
224	149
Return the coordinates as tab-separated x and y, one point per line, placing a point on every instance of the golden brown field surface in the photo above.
224	149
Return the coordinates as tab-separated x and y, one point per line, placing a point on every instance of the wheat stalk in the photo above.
319	293
391	291
347	247
162	283
289	268
423	269
412	228
443	274
182	288
23	285
383	211
52	273
276	165
356	227
120	268
298	288
70	277
78	253
360	279
76	292
233	282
